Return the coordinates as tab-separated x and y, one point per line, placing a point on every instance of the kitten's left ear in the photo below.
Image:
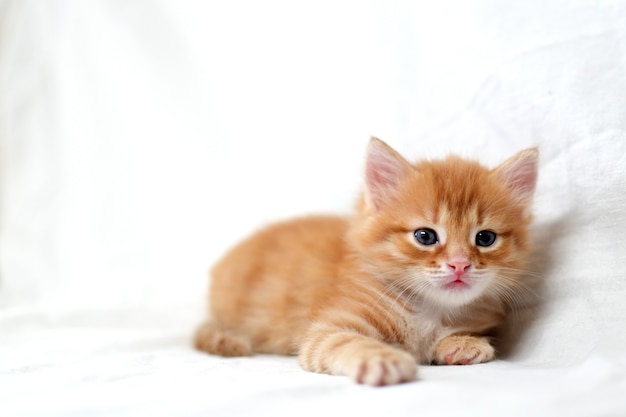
520	174
384	170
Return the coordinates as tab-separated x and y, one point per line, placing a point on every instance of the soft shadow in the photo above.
510	335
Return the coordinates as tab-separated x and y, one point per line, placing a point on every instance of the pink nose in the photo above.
459	265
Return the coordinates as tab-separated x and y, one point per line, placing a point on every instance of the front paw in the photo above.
463	350
385	368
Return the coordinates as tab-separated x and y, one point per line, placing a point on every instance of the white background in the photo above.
141	139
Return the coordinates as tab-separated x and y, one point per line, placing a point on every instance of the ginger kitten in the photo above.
421	273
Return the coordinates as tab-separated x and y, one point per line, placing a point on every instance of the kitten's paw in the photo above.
463	350
391	367
212	338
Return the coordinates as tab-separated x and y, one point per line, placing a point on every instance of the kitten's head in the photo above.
450	230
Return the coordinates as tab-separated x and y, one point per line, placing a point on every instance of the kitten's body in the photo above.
360	296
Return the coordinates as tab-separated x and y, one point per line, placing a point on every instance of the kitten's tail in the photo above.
212	338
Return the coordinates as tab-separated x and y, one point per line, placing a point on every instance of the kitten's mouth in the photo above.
456	285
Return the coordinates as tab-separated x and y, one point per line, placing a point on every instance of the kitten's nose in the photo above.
459	265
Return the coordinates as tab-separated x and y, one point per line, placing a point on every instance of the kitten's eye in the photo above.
426	236
485	238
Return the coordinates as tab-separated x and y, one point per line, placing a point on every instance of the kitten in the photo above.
422	272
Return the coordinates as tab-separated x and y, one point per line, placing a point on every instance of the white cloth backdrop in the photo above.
140	139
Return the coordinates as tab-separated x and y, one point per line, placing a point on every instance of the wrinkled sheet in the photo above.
128	372
139	140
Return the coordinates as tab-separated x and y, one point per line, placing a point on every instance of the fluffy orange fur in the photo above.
413	276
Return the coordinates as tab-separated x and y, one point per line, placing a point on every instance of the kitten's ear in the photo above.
520	174
384	170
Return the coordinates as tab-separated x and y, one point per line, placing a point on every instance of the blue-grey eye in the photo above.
485	238
426	236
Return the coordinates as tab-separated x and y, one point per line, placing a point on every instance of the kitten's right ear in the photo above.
384	170
520	174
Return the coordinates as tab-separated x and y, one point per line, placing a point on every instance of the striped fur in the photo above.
360	296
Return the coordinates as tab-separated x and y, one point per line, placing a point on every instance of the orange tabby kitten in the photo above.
421	273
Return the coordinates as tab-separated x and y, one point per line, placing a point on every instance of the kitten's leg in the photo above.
212	338
364	359
463	349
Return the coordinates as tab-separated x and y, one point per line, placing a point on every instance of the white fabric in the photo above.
139	140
